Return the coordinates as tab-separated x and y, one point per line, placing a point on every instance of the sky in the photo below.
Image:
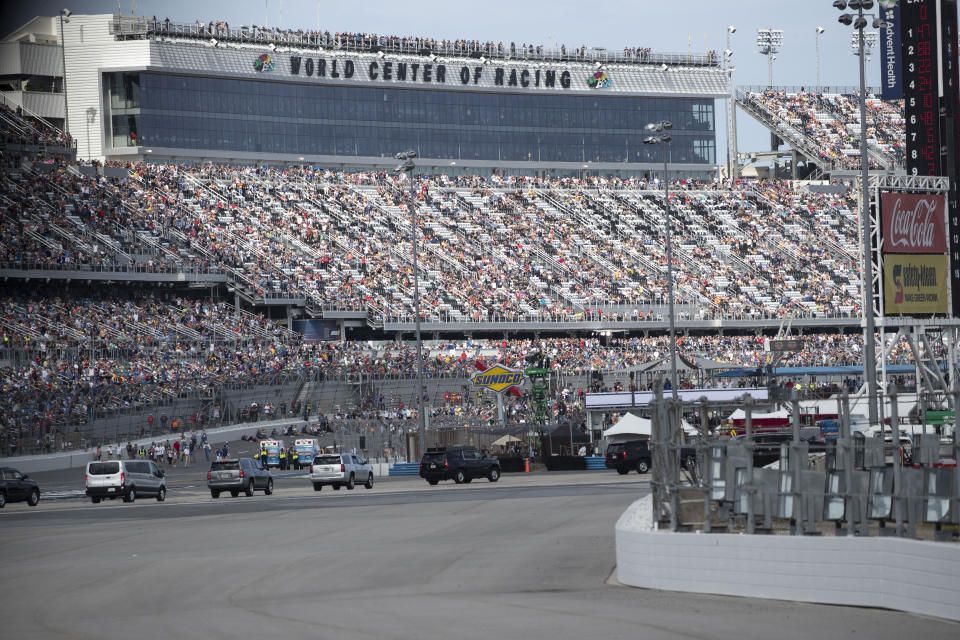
678	26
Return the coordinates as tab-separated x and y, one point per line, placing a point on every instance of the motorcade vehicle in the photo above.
340	470
238	474
631	455
126	479
458	463
17	487
307	449
628	456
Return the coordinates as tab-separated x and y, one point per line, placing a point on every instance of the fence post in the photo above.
748	411
796	523
846	443
897	474
703	455
670	430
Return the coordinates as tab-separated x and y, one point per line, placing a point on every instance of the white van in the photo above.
125	479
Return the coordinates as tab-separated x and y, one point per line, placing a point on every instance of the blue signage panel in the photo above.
891	70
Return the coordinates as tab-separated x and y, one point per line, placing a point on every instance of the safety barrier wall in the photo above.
908	575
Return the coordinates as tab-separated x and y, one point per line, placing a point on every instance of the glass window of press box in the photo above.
249	116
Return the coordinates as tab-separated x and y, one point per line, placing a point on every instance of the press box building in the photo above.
138	88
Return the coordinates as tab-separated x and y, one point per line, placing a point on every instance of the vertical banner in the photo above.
921	88
891	69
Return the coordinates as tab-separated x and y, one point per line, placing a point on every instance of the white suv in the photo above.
340	470
125	479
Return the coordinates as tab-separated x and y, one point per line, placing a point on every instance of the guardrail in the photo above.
129	26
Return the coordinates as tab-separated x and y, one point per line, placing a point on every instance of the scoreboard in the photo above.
931	97
921	90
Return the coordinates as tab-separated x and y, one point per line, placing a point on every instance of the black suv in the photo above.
17	487
632	454
460	464
635	454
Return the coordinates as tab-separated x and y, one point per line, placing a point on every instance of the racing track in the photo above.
525	558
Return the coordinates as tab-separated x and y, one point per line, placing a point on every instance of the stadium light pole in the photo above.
859	22
64	17
660	136
732	172
769	42
406	164
820	31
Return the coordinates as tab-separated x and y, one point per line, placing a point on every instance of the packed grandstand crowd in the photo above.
830	122
500	247
511	248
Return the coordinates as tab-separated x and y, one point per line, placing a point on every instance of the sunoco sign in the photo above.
497	378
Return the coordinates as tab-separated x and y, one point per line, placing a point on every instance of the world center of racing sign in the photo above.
497	378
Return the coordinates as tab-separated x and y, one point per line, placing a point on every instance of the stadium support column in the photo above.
407	165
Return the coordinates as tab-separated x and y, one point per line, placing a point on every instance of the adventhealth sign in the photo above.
497	378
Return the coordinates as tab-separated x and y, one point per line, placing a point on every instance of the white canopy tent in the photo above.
629	426
632	426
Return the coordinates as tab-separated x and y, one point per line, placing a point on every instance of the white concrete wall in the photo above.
908	575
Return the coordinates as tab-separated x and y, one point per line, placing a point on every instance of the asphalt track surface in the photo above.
529	557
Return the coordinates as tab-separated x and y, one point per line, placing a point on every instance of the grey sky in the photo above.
670	27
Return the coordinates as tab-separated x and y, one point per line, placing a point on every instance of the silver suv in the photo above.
125	479
340	470
236	475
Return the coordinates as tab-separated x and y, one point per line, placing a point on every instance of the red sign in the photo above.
913	223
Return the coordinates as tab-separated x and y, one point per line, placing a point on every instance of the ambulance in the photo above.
306	449
273	451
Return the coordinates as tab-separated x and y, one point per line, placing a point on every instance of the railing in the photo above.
186	272
61	139
128	26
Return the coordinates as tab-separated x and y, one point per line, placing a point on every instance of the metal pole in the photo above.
818	58
63	55
673	329
895	443
846	442
869	331
416	311
731	105
748	443
770	69
794	461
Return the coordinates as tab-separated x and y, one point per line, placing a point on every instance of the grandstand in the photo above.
823	126
141	287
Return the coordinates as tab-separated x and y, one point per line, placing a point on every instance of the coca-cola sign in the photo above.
914	223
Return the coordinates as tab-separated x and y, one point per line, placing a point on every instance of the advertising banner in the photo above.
913	223
914	284
891	70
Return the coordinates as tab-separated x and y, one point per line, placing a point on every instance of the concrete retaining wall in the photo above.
77	459
907	575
